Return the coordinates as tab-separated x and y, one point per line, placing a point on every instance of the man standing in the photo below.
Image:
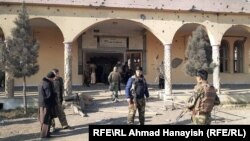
205	99
93	73
46	103
161	76
87	74
114	79
58	89
136	90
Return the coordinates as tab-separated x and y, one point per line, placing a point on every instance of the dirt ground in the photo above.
103	111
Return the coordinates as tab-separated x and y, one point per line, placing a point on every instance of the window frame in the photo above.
224	56
238	56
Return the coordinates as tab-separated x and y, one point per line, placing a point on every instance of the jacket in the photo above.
58	86
46	94
139	94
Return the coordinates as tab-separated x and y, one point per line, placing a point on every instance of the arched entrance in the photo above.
234	55
51	49
109	42
179	46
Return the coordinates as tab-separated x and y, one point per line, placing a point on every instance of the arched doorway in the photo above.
51	49
179	46
109	42
234	55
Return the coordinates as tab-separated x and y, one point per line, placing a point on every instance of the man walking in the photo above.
46	104
136	90
58	89
114	79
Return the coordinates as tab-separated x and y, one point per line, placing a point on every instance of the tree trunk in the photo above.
24	95
9	85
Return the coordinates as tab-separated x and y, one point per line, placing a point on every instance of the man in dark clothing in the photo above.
135	91
46	103
58	89
161	76
87	74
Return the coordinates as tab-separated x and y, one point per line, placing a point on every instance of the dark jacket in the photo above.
58	88
46	94
141	87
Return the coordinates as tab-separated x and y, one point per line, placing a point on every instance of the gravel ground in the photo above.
103	111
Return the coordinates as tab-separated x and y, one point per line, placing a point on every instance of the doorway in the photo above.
104	64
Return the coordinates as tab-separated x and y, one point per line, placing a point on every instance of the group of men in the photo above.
50	103
136	92
205	98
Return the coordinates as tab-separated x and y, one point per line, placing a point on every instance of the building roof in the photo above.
216	6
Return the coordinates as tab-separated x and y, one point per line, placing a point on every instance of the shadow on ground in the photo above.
24	121
22	137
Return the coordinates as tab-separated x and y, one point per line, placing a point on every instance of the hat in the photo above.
51	75
202	73
138	68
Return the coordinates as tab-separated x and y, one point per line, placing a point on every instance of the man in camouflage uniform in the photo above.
205	97
114	80
136	90
58	89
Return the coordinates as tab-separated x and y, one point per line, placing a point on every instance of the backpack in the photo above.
207	100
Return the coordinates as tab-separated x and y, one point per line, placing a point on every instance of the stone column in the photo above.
167	70
67	68
9	81
216	72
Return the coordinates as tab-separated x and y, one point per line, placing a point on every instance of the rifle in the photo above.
182	113
134	102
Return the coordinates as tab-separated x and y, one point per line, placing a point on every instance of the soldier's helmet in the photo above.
202	73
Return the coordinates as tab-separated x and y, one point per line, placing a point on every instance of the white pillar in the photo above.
167	70
68	68
216	72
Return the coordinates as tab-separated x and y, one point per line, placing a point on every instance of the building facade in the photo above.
144	32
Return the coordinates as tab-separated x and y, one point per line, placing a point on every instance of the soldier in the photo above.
58	89
135	91
114	79
205	99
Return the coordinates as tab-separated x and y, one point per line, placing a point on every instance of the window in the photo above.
224	53
238	56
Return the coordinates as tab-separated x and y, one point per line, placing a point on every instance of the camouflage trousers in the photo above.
114	87
61	116
140	105
201	119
